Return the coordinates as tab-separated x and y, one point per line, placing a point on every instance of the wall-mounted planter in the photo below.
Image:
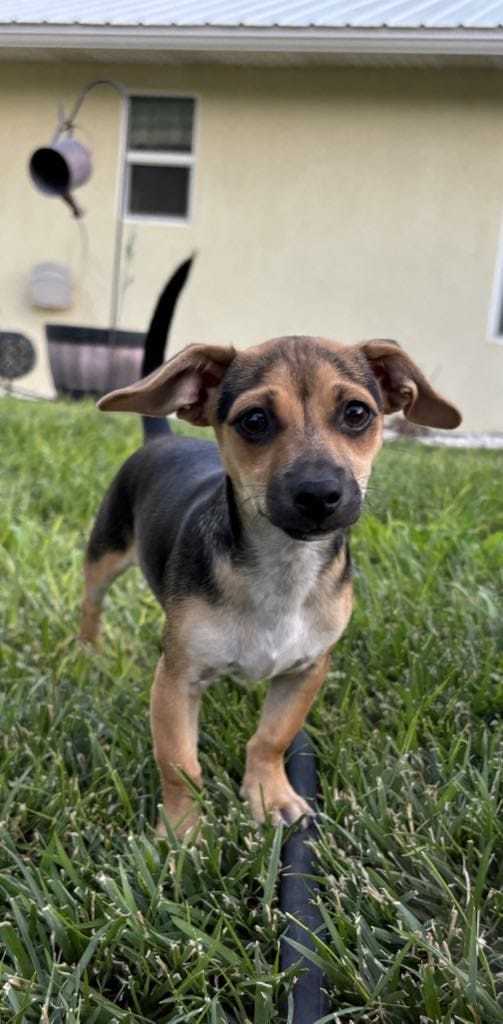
93	360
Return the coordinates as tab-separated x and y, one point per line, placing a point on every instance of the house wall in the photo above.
350	203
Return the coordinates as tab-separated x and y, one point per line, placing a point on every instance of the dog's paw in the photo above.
182	818
187	831
275	799
89	644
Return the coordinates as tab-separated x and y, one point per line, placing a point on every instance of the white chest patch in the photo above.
274	625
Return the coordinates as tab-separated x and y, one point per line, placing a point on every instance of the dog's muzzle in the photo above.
312	498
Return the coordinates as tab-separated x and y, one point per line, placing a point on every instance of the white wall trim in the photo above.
495	318
208	40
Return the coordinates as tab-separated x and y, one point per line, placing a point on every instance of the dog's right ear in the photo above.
181	385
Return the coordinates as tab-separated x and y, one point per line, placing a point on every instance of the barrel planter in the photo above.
93	360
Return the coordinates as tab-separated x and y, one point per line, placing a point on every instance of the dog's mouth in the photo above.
299	534
300	528
318	534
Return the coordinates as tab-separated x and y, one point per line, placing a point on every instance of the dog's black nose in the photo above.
317	499
313	496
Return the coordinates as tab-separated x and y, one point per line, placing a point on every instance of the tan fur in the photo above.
174	712
98	576
265	783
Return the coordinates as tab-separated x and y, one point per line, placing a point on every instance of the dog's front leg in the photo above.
265	784
174	713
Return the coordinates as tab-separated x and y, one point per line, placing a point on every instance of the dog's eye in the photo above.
357	416
254	425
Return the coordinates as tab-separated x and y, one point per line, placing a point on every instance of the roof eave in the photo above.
361	42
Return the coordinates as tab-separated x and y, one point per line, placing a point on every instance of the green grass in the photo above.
101	922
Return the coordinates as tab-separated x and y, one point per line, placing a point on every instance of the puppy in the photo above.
245	542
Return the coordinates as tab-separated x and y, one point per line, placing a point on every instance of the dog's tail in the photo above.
155	340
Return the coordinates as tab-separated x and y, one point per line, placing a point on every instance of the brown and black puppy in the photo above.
245	543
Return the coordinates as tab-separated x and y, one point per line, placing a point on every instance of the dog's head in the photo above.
298	420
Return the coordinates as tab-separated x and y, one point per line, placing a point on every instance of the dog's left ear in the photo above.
403	386
183	385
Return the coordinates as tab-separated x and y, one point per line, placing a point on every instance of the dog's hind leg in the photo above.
109	553
98	576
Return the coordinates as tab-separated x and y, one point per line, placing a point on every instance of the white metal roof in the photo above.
254	31
259	14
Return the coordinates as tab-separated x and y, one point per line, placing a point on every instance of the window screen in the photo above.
160	156
161	124
161	191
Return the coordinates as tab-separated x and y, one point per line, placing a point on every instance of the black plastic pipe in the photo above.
298	889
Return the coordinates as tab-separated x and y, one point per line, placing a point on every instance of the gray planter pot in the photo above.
93	360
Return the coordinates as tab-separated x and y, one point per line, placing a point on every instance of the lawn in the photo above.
100	921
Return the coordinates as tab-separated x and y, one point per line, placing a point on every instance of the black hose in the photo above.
298	889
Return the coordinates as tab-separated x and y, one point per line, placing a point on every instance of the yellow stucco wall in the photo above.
350	203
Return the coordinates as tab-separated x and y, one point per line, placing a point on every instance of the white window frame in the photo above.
495	321
166	158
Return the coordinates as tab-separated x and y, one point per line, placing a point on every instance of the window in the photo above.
160	157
